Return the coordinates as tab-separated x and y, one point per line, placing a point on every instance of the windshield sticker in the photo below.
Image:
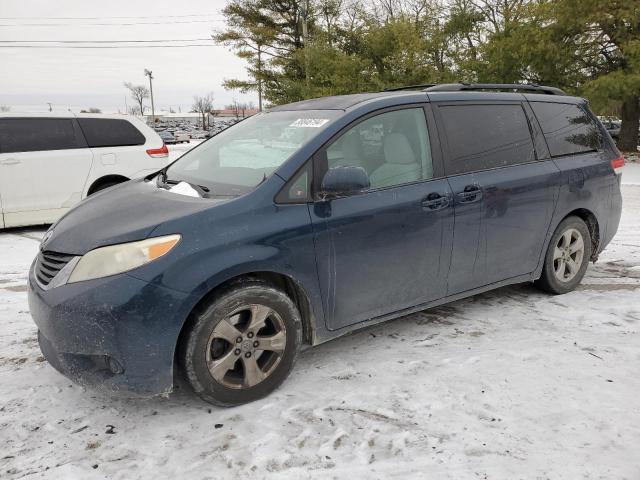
309	122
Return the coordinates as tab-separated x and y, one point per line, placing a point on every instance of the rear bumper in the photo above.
613	216
116	334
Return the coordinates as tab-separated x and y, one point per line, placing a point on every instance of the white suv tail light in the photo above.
162	152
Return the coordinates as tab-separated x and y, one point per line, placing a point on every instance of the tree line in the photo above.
202	105
298	49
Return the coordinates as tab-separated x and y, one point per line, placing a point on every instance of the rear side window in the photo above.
108	132
37	134
481	137
567	128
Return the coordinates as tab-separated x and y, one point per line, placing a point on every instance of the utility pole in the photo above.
304	13
259	77
149	74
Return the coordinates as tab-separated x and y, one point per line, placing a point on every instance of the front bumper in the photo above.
116	334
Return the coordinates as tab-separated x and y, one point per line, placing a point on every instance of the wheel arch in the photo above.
595	232
593	225
293	289
97	183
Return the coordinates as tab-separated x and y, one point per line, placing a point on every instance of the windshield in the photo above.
238	159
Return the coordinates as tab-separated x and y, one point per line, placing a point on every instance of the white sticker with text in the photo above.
309	122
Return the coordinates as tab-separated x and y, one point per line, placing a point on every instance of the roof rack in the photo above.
411	87
529	87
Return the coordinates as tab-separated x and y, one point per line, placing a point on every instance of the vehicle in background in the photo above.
608	118
612	127
167	137
49	162
182	137
313	219
611	124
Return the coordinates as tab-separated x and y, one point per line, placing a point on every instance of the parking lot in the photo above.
513	383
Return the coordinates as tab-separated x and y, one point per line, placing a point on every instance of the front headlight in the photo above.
105	261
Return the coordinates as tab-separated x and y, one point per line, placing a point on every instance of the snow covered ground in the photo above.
509	384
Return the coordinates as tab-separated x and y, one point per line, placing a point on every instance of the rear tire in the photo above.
567	257
222	353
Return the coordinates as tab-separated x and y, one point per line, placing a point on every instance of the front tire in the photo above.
567	257
241	345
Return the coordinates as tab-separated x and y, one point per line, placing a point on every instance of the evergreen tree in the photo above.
297	49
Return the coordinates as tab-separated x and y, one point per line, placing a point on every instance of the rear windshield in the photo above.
240	157
38	134
110	132
568	128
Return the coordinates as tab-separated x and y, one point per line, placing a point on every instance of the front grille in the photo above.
49	264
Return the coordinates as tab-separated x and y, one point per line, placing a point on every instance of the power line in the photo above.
104	18
106	24
107	46
107	41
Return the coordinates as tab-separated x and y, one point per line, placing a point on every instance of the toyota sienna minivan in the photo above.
316	218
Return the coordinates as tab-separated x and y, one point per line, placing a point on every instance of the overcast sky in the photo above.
79	78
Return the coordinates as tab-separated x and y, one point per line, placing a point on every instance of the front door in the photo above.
386	249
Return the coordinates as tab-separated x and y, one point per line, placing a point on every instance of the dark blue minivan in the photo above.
315	218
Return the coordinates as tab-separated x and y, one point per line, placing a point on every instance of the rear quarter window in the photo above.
481	137
39	134
108	132
567	128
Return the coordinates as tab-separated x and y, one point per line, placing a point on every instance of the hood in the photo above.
125	213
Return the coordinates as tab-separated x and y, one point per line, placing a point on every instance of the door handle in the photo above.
470	194
10	161
435	201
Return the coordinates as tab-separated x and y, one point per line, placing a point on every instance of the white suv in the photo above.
49	162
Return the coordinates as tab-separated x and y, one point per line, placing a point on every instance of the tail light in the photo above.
617	164
161	152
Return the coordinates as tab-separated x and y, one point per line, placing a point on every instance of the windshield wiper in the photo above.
164	181
162	177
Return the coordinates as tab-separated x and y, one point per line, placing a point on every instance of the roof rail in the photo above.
530	87
411	87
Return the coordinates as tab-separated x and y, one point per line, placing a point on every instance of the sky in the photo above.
75	78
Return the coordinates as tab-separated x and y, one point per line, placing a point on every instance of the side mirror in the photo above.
344	181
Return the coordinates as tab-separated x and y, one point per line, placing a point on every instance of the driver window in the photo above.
393	148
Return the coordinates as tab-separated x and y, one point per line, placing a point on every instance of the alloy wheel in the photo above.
246	347
568	255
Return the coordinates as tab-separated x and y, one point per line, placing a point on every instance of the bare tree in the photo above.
241	108
138	93
212	115
5	108
331	10
235	107
203	105
91	110
133	110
